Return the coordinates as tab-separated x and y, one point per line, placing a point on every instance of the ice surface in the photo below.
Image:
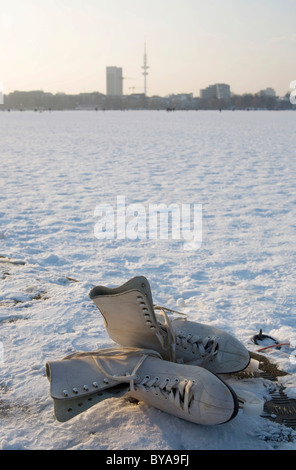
56	168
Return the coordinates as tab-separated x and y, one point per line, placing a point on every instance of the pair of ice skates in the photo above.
173	365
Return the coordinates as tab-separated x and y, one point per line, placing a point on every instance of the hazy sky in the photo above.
65	45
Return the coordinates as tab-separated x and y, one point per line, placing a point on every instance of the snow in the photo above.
56	168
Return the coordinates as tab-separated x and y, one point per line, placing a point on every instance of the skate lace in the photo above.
115	352
206	347
180	393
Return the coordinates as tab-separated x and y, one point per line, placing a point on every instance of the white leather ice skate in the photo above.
131	320
192	393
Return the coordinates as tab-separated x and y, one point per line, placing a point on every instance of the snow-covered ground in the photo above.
56	168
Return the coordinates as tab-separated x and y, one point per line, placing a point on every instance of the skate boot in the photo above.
131	320
81	380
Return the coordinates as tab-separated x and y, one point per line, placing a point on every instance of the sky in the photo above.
66	45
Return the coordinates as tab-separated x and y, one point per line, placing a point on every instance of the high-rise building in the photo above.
209	93
114	81
268	92
223	91
219	91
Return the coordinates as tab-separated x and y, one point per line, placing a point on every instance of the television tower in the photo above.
145	68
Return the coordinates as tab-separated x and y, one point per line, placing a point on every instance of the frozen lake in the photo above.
56	169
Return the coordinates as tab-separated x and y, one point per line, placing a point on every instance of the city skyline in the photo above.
66	45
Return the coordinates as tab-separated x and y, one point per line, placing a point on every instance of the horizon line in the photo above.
142	93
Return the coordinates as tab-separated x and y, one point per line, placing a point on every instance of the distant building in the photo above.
114	81
267	92
181	100
219	91
223	91
209	93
